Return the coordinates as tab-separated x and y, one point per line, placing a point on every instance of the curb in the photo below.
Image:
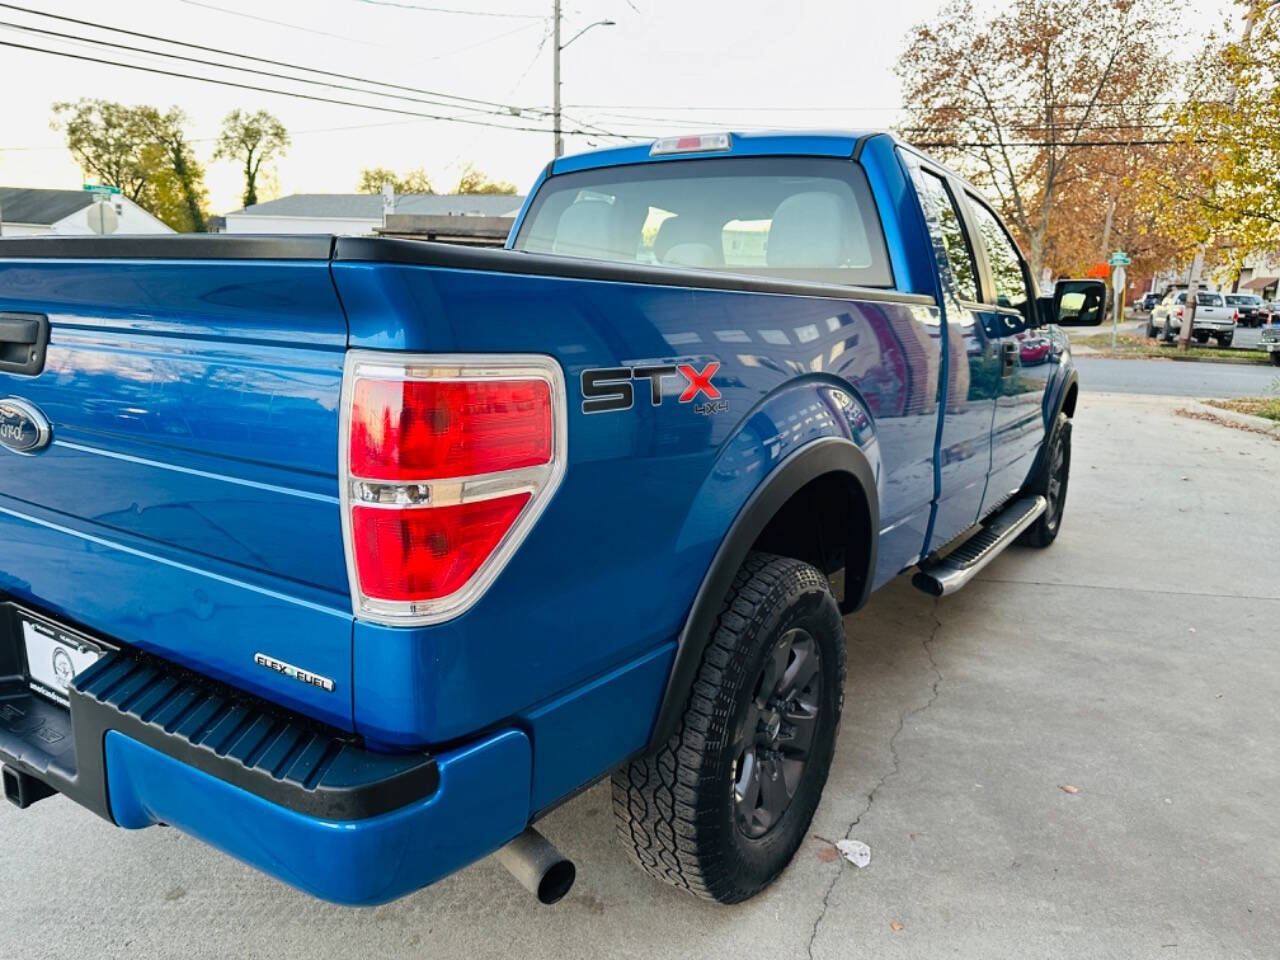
1248	421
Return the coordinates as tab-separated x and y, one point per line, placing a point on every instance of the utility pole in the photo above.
1189	311
556	48
555	79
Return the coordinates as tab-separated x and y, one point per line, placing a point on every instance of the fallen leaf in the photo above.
895	926
855	851
1068	788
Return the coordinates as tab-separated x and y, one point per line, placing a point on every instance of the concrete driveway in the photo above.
1137	661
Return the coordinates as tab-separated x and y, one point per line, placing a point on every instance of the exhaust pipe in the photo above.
541	869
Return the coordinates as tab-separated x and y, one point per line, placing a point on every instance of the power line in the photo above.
462	13
242	69
277	23
245	56
368	43
283	93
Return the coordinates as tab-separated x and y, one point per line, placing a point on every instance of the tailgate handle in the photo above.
24	338
18	331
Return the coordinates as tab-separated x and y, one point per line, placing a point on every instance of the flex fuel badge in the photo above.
297	673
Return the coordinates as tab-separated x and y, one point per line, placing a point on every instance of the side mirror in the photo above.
1079	303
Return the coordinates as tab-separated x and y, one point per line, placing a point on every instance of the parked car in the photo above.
1249	307
1213	318
353	557
1269	339
1034	348
1148	301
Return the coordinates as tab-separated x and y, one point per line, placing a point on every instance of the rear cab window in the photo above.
805	219
1008	276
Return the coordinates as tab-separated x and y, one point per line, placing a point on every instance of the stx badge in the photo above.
609	389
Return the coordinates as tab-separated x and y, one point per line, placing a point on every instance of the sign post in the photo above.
1118	260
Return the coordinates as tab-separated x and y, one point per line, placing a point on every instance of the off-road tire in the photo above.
1056	466
676	810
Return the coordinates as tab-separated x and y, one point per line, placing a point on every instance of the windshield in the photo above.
1244	301
802	219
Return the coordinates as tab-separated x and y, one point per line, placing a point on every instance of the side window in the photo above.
1003	258
948	231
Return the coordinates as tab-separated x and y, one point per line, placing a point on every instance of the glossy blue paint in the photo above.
578	736
762	144
691	473
482	802
188	504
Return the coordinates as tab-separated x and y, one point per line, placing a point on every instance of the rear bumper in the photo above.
144	742
482	802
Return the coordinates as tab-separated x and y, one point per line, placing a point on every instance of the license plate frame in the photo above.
53	654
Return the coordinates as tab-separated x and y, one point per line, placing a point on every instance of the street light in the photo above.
555	79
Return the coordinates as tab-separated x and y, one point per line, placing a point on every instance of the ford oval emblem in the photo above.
23	428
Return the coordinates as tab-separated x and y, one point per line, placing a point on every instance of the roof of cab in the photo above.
816	143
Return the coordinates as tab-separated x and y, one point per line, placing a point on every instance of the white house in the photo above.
29	213
360	213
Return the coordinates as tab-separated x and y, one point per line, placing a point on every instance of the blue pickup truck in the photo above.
353	557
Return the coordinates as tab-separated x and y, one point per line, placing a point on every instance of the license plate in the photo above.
55	656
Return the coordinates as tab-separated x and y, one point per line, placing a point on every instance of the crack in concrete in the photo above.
927	644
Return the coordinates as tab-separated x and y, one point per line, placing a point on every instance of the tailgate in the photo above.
187	503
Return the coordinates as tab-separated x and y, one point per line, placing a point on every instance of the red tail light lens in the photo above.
410	555
405	429
447	463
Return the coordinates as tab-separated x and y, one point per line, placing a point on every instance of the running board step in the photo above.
957	568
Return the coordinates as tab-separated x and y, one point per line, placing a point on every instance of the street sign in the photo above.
1119	259
1117	286
99	188
103	219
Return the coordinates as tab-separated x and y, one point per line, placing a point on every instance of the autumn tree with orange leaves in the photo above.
1048	106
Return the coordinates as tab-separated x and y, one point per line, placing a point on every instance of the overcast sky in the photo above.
666	66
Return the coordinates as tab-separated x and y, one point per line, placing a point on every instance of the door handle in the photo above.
24	338
1008	357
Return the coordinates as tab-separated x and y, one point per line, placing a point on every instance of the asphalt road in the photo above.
1176	378
1135	661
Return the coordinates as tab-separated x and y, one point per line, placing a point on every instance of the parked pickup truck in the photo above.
1213	318
353	557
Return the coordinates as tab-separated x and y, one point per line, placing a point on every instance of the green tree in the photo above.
107	140
474	181
142	151
252	140
411	181
1219	187
180	196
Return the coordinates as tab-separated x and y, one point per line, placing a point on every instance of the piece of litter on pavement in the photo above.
1068	788
895	926
855	851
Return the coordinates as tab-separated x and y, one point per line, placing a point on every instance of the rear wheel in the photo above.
1051	483
1151	330
1275	359
1225	339
721	808
1201	337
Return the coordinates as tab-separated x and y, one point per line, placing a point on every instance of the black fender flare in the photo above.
1072	382
828	455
